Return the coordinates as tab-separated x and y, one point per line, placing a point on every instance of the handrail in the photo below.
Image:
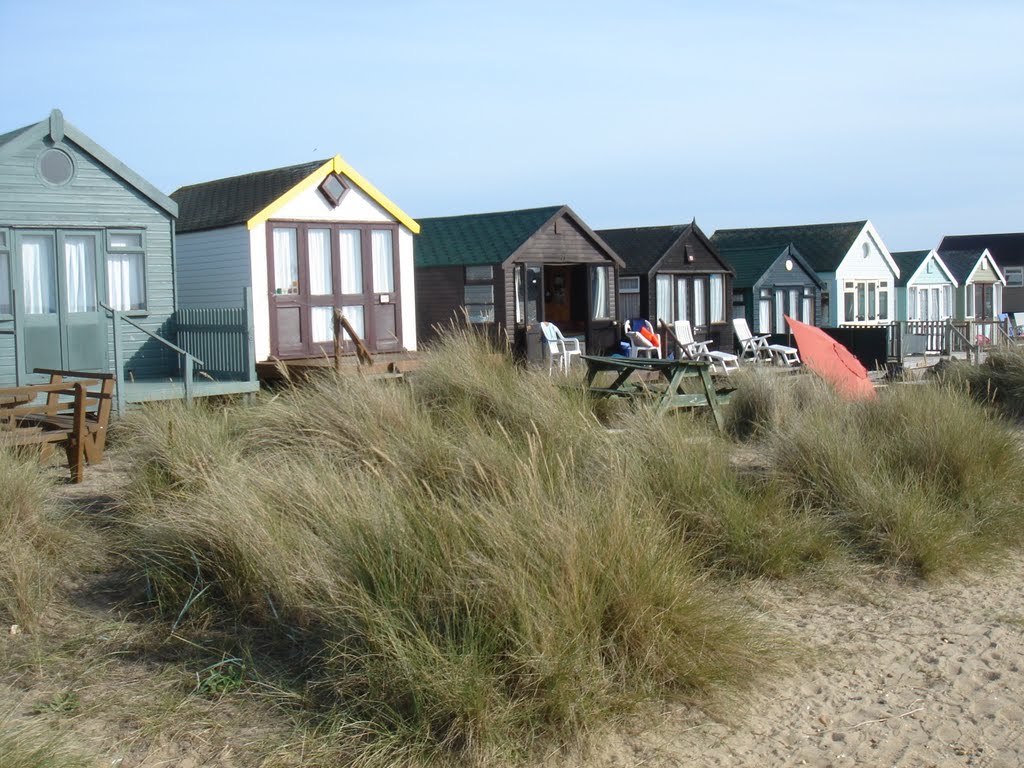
970	347
189	359
149	333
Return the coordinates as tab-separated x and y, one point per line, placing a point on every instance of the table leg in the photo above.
709	391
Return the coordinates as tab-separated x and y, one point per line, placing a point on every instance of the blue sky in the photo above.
634	113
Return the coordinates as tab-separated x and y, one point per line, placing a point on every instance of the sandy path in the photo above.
920	675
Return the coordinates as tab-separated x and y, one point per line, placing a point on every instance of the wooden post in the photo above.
336	319
119	363
250	333
189	361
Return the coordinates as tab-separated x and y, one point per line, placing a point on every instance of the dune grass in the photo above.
28	746
470	568
999	380
460	567
37	545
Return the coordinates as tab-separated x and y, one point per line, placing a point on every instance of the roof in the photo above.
908	262
962	263
225	202
57	129
1006	248
642	247
750	264
824	246
252	198
478	238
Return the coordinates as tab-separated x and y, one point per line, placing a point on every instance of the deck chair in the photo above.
754	346
558	347
1017	321
639	346
779	353
682	333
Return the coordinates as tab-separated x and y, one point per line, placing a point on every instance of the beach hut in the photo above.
979	292
674	273
304	239
770	283
509	271
850	260
1007	250
925	287
87	264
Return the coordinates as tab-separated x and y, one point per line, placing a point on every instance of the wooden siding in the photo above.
8	363
96	198
213	267
778	275
561	242
439	294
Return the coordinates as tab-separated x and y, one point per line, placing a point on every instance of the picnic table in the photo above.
665	389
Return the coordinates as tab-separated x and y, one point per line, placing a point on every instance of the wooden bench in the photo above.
64	412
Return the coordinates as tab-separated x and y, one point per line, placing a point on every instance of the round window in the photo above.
56	167
789	265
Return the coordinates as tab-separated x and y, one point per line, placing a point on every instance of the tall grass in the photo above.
37	547
28	746
463	567
998	380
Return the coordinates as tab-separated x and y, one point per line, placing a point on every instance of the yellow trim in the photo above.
339	166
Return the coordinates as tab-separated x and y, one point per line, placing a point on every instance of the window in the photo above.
56	167
80	273
126	270
350	248
599	287
318	251
478	296
682	294
716	286
700	312
865	301
5	273
764	312
969	290
38	278
1014	277
808	306
912	311
383	261
664	310
629	297
286	260
780	311
333	188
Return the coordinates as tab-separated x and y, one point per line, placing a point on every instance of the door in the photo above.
58	314
385	299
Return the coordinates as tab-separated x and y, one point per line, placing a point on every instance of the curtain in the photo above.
764	313
322	320
663	286
126	287
79	273
780	310
997	300
382	256
717	299
355	317
351	250
286	261
5	284
700	316
38	280
808	313
682	303
321	277
599	289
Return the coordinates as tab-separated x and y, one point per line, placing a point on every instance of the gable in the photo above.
564	239
986	271
54	132
867	258
691	253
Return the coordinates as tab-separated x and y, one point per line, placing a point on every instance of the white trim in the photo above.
933	254
995	267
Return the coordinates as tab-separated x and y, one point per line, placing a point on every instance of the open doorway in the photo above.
565	297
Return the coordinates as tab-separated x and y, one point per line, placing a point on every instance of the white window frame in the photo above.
140	251
1014	277
867	298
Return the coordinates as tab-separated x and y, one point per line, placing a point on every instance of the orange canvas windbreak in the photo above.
832	361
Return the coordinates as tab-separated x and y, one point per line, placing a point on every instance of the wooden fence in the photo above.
222	337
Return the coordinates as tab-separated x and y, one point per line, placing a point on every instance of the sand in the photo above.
894	674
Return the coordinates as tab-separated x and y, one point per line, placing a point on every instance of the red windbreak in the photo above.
831	361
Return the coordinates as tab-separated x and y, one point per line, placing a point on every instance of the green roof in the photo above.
477	238
908	262
235	200
750	263
824	246
642	247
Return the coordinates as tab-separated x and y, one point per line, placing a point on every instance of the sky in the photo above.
635	113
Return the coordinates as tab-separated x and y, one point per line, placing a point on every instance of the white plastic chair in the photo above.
558	347
755	346
638	345
699	350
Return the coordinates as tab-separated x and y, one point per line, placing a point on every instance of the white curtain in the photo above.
355	316
38	280
808	310
599	287
764	315
997	300
780	310
682	303
663	285
321	277
5	284
700	314
79	273
126	287
350	249
717	299
323	324
382	254
286	261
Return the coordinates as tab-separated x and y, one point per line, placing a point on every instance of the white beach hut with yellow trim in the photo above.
304	239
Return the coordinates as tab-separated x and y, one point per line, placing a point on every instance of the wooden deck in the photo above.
383	363
150	390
